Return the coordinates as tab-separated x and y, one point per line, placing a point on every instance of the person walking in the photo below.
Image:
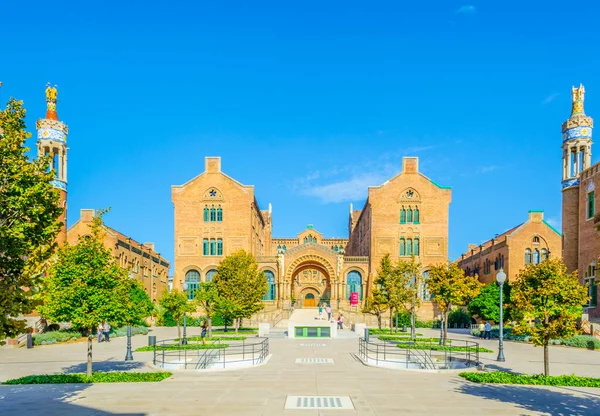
100	332
488	330
320	311
481	330
106	330
203	333
340	322
328	310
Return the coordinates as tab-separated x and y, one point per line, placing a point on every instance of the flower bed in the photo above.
501	377
109	377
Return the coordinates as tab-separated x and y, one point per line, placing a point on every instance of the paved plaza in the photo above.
263	390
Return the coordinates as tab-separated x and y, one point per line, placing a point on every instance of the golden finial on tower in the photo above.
51	99
578	97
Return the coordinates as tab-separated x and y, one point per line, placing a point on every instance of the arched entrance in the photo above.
309	300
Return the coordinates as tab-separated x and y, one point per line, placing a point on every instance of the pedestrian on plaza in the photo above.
328	310
100	331
488	330
340	322
320	310
106	330
203	333
481	329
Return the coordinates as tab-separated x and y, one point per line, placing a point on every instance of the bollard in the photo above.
29	340
367	334
151	340
404	328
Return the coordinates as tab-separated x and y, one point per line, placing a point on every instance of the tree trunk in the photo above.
236	322
446	314
391	319
546	359
179	332
379	320
209	327
89	353
413	332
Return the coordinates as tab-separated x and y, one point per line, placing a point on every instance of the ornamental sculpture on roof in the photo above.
51	98
578	96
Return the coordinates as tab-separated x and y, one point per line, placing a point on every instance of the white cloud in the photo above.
487	169
467	9
555	222
550	98
352	189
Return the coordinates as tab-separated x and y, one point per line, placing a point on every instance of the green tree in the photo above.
141	306
376	304
86	287
450	287
240	286
486	304
411	272
547	303
176	304
29	212
207	298
394	286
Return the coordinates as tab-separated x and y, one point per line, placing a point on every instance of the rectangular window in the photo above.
409	247
590	205
219	247
402	247
205	247
592	292
416	247
213	248
402	216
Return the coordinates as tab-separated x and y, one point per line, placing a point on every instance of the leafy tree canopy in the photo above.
486	305
29	212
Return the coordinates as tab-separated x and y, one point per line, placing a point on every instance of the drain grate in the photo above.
314	361
318	402
313	345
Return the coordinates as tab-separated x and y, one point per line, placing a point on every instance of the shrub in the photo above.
502	377
122	332
177	347
577	341
377	331
54	337
459	318
109	377
228	338
405	338
435	347
582	341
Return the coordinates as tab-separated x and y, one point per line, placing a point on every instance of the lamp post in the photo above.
129	355
184	286
501	278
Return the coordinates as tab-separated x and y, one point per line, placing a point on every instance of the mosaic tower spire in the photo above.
577	157
52	141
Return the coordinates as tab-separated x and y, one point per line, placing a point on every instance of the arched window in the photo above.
209	275
527	256
354	284
502	261
213	214
219	213
425	295
402	247
192	278
270	295
496	263
416	247
335	248
403	216
213	247
206	213
536	256
409	215
284	248
278	248
536	240
416	216
305	240
409	246
544	254
219	246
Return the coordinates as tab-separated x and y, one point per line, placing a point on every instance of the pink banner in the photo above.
353	298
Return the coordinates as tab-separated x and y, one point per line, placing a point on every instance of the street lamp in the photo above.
184	286
129	355
501	278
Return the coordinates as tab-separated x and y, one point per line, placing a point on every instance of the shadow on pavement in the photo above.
569	401
47	399
106	366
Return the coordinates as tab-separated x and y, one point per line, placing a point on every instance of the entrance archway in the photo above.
309	301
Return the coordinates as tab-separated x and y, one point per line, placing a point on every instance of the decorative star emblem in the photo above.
213	192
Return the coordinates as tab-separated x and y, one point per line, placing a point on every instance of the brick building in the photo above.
580	222
215	215
530	242
140	260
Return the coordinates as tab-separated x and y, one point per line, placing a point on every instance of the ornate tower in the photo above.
52	141
577	156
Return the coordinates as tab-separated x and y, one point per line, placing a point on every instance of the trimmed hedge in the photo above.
177	347
231	338
109	377
434	347
502	377
386	331
405	338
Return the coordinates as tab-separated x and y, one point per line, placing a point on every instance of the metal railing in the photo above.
426	355
218	353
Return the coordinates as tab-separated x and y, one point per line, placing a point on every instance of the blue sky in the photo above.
309	101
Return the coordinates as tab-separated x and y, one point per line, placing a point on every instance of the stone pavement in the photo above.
263	390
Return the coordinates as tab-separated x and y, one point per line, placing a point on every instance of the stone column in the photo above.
569	160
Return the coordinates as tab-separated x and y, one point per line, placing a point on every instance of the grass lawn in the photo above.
502	377
176	347
435	347
108	377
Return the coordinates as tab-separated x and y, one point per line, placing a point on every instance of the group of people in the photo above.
325	309
103	332
485	330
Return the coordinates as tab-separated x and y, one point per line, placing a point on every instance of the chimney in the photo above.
536	216
410	164
87	215
212	164
149	245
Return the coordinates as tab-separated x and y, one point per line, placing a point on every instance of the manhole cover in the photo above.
314	361
318	402
313	345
